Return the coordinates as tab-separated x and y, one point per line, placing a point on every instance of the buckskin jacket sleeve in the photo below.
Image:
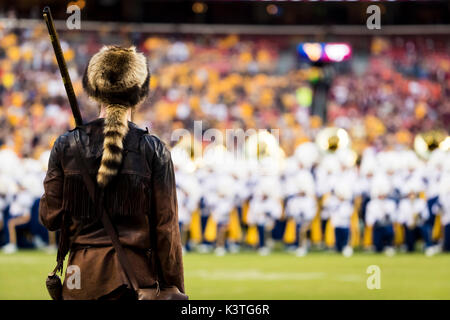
50	206
165	217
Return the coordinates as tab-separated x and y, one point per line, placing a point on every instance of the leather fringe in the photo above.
63	243
126	195
76	200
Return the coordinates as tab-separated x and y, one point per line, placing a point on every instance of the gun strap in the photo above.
75	144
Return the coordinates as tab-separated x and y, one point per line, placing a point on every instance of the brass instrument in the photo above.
264	149
426	142
332	138
263	145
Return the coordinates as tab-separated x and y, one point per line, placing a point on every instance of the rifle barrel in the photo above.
62	66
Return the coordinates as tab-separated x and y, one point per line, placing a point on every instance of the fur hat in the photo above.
116	75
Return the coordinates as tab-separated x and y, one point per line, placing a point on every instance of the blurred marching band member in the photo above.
301	165
215	164
6	196
306	155
434	172
302	207
413	167
206	177
188	197
444	204
391	163
350	175
22	189
413	215
326	178
380	215
298	175
184	216
367	171
243	190
35	174
221	208
2	207
242	186
341	205
348	172
19	214
265	208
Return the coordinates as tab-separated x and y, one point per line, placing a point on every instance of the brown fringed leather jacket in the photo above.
143	206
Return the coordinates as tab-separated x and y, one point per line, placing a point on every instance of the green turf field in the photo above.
278	276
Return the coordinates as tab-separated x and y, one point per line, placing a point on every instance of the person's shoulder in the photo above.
83	128
98	122
153	140
62	140
155	146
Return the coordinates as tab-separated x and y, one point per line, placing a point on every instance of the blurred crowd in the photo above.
402	88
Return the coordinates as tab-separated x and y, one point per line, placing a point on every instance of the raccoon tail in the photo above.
115	130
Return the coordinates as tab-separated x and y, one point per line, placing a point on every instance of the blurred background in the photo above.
360	164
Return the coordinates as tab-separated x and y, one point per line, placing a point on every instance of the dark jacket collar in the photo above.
99	122
93	138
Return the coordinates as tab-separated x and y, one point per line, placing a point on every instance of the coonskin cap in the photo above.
117	75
